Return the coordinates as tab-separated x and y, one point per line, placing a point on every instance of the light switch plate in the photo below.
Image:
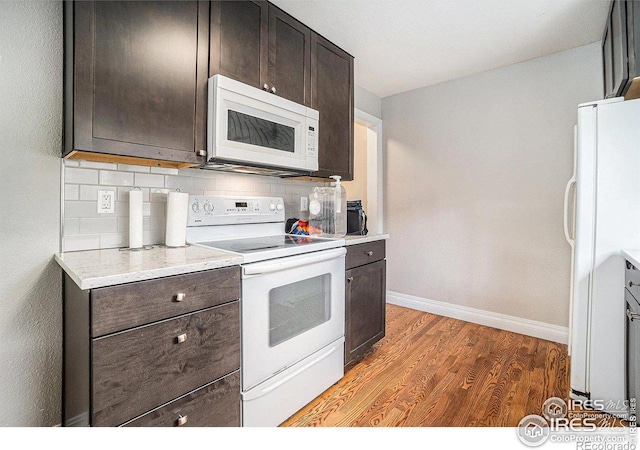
106	202
304	203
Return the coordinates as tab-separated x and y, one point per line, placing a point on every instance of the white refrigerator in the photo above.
605	219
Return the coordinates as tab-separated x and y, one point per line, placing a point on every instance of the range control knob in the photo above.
208	207
279	207
272	207
195	207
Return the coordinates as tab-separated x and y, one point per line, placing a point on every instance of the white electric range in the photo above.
292	303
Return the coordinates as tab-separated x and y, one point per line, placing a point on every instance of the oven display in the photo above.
241	204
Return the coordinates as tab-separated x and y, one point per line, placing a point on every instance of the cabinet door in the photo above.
365	299
140	78
239	41
289	57
332	96
620	69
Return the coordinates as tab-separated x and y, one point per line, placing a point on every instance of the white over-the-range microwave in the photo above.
255	131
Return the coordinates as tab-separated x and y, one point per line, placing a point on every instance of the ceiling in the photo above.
401	45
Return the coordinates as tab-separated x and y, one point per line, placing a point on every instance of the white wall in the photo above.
474	181
367	102
30	145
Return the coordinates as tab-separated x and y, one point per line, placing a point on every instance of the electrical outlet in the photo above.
304	203
106	202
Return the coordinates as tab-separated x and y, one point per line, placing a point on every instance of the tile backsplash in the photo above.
85	229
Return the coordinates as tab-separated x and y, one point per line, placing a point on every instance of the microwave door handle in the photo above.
293	262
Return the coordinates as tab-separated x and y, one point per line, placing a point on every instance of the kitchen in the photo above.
472	197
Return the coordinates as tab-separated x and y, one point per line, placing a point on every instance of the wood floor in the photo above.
435	371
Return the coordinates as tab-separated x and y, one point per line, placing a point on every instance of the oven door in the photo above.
291	308
247	125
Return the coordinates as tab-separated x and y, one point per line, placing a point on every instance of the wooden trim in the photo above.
104	157
514	324
634	90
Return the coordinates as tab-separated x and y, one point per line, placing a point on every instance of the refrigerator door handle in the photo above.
567	191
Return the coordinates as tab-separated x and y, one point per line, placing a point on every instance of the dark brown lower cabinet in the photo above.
176	368
365	302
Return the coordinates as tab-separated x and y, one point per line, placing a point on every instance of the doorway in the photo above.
367	169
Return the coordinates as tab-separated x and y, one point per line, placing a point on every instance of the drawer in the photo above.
360	254
214	405
632	279
140	369
118	308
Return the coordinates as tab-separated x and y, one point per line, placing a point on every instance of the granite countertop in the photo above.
98	268
633	256
357	239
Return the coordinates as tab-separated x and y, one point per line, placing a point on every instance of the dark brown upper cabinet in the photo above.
620	44
137	79
332	95
261	45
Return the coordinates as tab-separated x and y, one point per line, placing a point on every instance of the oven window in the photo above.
263	133
298	307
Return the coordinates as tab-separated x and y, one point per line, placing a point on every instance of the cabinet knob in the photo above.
180	296
370	253
181	338
350	279
182	420
265	87
273	90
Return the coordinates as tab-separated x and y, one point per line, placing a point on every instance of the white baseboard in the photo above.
528	327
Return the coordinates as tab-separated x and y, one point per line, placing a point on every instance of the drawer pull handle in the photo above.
370	253
350	279
181	296
182	420
181	338
632	284
632	316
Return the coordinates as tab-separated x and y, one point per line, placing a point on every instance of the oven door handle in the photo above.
292	262
257	393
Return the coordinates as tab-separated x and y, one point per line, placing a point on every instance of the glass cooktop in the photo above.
263	243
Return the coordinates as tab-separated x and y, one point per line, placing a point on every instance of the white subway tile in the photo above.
80	209
80	176
81	242
164	170
123	224
122	209
98	225
146	209
157	209
71	163
71	227
113	240
133	168
90	192
116	178
158	195
98	165
173	182
204	184
278	189
71	191
123	194
149	180
146	223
